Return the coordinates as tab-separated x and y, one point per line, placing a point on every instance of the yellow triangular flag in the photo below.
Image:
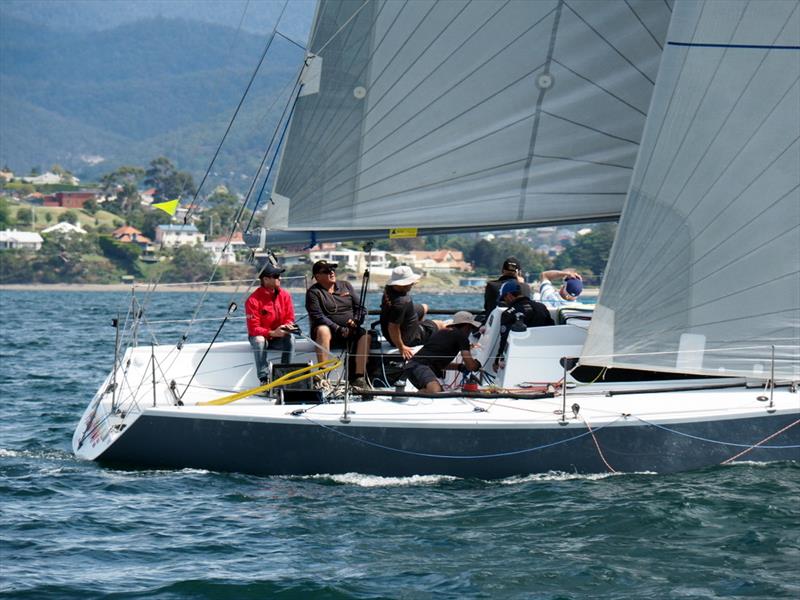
169	207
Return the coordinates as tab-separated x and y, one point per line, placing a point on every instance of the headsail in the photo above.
704	275
468	114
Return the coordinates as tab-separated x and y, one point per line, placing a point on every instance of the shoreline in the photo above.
227	288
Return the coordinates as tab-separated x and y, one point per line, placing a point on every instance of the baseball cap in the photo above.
574	286
270	270
509	287
511	264
321	265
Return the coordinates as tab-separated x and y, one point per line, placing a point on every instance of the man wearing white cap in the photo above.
428	365
403	323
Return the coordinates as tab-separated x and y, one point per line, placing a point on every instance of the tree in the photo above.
589	253
6	220
220	217
90	206
25	216
189	263
70	217
48	216
123	183
488	256
167	180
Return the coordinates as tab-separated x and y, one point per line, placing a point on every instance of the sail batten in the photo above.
466	113
707	252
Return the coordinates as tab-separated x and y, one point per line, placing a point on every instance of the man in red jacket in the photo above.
270	319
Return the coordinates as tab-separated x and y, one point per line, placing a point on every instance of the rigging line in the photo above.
620	99
288	39
436	99
338	31
607	41
288	118
389	111
321	120
718	442
235	113
236	223
338	431
238	27
754	446
646	271
597	445
325	129
721	127
638	18
589	127
427	134
734	46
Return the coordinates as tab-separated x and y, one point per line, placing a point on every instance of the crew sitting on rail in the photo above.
334	315
521	313
428	365
403	323
270	320
569	291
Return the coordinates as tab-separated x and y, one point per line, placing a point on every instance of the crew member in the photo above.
521	313
403	323
333	312
511	271
270	320
569	291
428	365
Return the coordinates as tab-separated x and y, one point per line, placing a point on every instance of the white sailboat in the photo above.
682	118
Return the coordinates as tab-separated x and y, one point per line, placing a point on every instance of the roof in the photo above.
125	230
64	227
24	237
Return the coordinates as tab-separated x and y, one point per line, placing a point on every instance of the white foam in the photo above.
563	476
8	453
370	481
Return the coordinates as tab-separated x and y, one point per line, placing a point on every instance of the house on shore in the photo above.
22	240
65	228
130	235
169	236
71	199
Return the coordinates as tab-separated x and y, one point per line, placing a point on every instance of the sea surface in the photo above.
73	529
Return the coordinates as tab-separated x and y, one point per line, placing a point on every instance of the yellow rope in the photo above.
299	375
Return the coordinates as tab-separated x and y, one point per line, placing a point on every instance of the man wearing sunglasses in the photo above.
270	320
333	313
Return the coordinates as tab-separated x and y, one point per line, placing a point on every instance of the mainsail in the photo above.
704	275
468	114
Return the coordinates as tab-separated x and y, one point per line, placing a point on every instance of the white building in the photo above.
28	240
178	235
43	179
354	260
223	255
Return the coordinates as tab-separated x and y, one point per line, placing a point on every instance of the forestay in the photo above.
467	114
704	275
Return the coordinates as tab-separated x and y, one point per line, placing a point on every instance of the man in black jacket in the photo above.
512	271
521	313
333	312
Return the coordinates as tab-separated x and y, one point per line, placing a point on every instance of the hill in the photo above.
91	100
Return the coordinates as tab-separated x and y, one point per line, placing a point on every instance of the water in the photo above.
71	529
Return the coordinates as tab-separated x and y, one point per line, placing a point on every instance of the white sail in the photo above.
468	114
704	275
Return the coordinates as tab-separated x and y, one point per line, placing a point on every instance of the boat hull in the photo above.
305	447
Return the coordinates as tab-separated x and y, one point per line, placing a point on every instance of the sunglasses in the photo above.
327	271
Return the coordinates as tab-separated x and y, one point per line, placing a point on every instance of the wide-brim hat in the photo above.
403	275
464	317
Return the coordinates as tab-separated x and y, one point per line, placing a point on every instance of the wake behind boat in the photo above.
463	116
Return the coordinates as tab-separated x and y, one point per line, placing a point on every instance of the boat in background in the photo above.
431	116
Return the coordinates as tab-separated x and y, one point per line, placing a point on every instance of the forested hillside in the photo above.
92	100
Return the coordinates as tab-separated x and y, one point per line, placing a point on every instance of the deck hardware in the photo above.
479	409
298	412
576	408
